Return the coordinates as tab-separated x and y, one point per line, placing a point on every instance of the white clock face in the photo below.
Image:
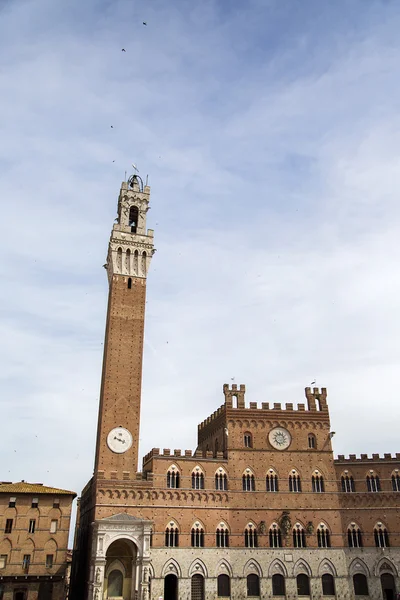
279	438
119	440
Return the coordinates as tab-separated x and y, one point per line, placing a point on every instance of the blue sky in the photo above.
270	131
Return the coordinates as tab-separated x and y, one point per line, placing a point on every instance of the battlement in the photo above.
181	454
217	413
235	398
364	458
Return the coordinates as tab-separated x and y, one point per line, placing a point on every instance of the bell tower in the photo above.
129	254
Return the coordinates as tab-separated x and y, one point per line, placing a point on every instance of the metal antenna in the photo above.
147	180
125	176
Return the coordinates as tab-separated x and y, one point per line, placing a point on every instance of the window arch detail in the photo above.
247	440
197	535
299	536
323	536
347	482
173	477
294	481
317	482
271	481
275	536
250	536
248	481
373	482
172	535
312	441
221	479
197	479
222	536
381	536
396	481
354	537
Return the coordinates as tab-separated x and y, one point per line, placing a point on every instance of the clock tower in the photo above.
129	254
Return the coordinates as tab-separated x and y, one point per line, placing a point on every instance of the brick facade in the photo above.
34	529
260	504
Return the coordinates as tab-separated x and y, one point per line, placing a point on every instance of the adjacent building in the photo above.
260	509
34	529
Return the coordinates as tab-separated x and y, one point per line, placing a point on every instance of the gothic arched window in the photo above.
299	536
222	536
271	481
173	478
221	480
294	482
323	536
250	536
354	538
373	483
275	536
396	481
248	481
197	479
133	218
381	536
347	483
197	536
317	482
172	535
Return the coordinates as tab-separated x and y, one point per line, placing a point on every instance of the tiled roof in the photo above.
22	487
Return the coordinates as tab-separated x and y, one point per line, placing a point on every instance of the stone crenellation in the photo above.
365	458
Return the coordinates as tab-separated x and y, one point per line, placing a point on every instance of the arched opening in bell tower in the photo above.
120	572
133	218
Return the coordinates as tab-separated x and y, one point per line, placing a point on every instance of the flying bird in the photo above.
144	23
135	167
123	50
313	382
112	126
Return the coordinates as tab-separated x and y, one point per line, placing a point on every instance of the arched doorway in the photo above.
388	586
119	580
171	587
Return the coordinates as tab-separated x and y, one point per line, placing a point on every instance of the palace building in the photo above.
260	509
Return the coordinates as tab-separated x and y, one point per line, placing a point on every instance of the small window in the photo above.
271	482
173	478
318	485
26	561
396	482
303	585
12	502
172	536
197	480
3	561
197	537
129	283
312	442
294	482
53	526
221	481
278	585
373	483
35	502
253	585
348	484
222	537
328	585
250	536
249	483
299	537
49	561
248	442
323	536
32	526
9	526
360	584
354	538
381	536
224	586
56	503
275	537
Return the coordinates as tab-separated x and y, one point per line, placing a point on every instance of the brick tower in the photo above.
129	254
